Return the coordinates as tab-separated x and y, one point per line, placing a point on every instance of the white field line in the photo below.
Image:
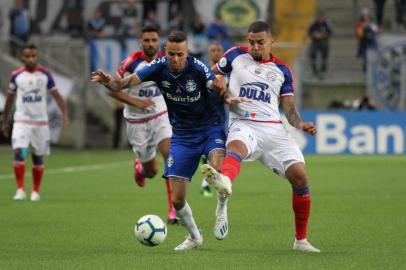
75	169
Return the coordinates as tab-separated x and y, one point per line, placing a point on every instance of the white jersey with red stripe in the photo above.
145	90
31	88
265	82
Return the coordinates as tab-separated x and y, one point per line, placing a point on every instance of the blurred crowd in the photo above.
119	19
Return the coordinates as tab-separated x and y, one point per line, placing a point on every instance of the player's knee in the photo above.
19	155
37	160
178	202
300	180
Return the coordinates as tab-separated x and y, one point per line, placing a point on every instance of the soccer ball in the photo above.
150	230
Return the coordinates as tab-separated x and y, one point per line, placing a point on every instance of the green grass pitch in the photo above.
90	204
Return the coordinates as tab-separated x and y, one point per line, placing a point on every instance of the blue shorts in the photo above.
186	150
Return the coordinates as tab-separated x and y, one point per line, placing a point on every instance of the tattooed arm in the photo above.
116	84
293	116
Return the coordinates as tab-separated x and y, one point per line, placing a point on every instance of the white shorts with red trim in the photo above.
31	133
144	136
268	142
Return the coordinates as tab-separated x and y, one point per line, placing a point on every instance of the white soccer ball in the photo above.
150	230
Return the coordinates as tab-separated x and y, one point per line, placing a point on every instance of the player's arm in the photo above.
127	99
114	84
293	116
61	104
7	108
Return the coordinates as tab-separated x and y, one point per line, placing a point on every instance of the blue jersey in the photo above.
190	107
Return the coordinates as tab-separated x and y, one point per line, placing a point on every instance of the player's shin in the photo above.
37	172
171	211
221	205
231	165
301	208
186	215
19	167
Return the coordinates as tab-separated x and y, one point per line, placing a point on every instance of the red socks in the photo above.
301	207
37	173
231	166
19	171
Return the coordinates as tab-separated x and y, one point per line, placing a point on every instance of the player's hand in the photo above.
219	84
146	104
236	100
100	77
308	127
5	129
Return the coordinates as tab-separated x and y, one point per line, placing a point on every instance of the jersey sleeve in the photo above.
12	86
147	72
204	70
51	82
287	88
224	65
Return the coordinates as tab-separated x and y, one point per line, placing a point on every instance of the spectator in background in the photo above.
379	6
19	27
74	15
151	20
366	103
130	19
217	30
197	39
366	31
96	24
400	9
319	31
197	26
177	23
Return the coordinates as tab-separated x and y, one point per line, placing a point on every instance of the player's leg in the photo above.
144	148
296	174
283	156
163	147
37	173
205	186
20	141
19	172
181	164
240	144
41	147
183	211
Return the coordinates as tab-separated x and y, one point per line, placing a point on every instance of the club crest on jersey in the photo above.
32	96
256	91
271	76
166	84
190	86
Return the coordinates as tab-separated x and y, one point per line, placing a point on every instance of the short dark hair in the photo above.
259	26
177	36
29	46
149	28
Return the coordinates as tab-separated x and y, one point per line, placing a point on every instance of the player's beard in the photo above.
257	57
151	51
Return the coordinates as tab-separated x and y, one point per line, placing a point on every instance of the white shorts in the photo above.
144	137
37	136
268	142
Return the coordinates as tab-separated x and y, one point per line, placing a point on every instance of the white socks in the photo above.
221	205
186	215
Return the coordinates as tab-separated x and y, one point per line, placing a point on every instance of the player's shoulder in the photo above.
236	50
137	56
281	65
43	70
17	71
